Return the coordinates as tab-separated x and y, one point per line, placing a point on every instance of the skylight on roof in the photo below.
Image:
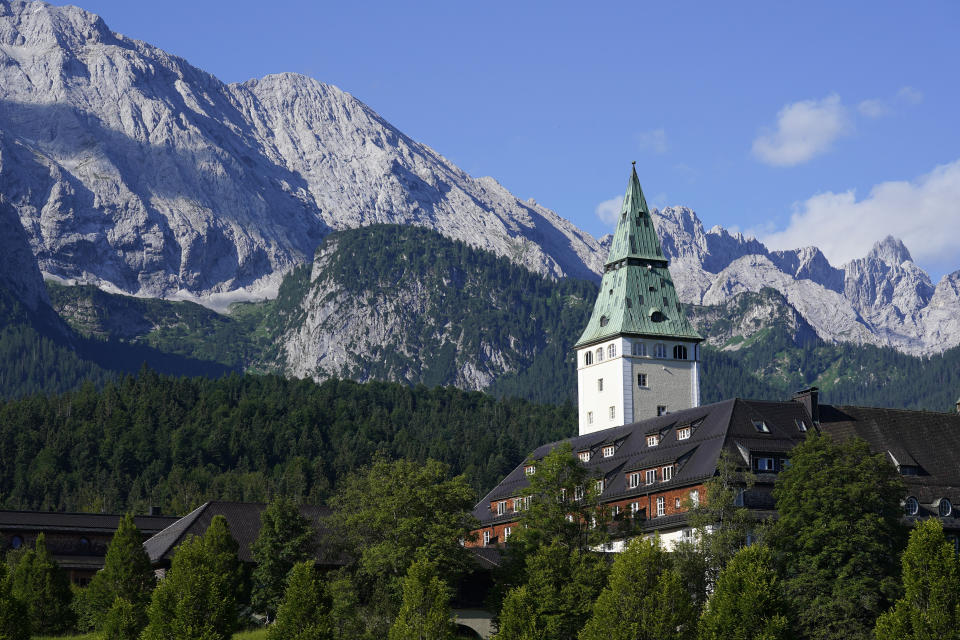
761	426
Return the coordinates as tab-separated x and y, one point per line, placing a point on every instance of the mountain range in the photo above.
126	168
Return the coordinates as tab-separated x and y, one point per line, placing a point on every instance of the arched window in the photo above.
599	354
660	351
944	508
588	358
679	352
612	351
912	506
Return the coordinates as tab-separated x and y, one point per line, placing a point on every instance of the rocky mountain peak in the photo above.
891	251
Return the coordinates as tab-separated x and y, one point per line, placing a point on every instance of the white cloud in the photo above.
804	129
910	95
924	213
874	108
609	210
653	140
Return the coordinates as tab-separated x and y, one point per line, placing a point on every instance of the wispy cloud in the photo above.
608	210
910	95
874	108
922	212
653	140
804	130
880	107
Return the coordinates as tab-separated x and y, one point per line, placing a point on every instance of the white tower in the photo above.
639	355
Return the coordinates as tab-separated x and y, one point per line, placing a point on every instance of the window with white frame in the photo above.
679	352
486	538
608	451
659	350
501	507
634	508
651	476
599	354
666	473
695	498
578	492
640	348
661	506
584	456
653	440
612	351
518	504
569	517
683	433
615	511
642	380
599	384
676	503
613	412
588	358
598	486
529	469
506	533
633	479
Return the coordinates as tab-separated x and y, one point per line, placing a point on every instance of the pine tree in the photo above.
14	623
285	539
43	587
930	606
645	598
837	537
748	602
304	610
197	600
425	611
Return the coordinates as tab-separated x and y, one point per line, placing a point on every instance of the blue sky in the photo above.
827	123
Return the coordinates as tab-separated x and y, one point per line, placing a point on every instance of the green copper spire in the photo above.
637	295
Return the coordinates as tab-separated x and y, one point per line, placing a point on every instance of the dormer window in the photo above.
761	426
501	507
584	456
683	433
911	506
651	476
764	464
666	474
944	508
653	440
679	352
801	425
633	479
608	451
603	319
530	469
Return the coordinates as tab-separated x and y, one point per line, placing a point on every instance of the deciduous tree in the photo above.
43	587
304	610
14	623
285	538
425	610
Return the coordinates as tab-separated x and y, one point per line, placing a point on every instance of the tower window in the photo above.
588	358
639	348
661	409
600	354
612	351
660	350
642	380
589	417
679	352
613	412
599	384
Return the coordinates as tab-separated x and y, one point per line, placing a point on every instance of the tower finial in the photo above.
634	163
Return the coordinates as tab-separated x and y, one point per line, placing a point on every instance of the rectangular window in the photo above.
661	410
578	493
569	517
653	441
608	451
486	538
501	507
529	469
634	508
683	433
651	476
661	506
640	348
584	456
517	504
642	380
763	464
634	479
506	533
666	473
613	412
676	504
598	486
589	417
660	351
599	384
695	498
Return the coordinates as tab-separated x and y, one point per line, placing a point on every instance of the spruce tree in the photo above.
645	598
837	537
14	623
425	610
285	539
304	610
43	587
930	606
197	600
748	602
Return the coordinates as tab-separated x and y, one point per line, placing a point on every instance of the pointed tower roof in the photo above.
637	295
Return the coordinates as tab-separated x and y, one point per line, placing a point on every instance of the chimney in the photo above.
155	511
810	399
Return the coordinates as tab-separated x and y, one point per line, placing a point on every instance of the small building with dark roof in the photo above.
78	541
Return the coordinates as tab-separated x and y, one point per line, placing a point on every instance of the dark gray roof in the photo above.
105	523
242	517
715	427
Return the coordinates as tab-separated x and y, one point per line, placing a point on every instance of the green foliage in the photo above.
346	614
126	574
644	599
561	586
837	536
930	606
154	440
124	621
197	600
285	539
388	513
303	612
14	623
748	602
425	610
37	582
